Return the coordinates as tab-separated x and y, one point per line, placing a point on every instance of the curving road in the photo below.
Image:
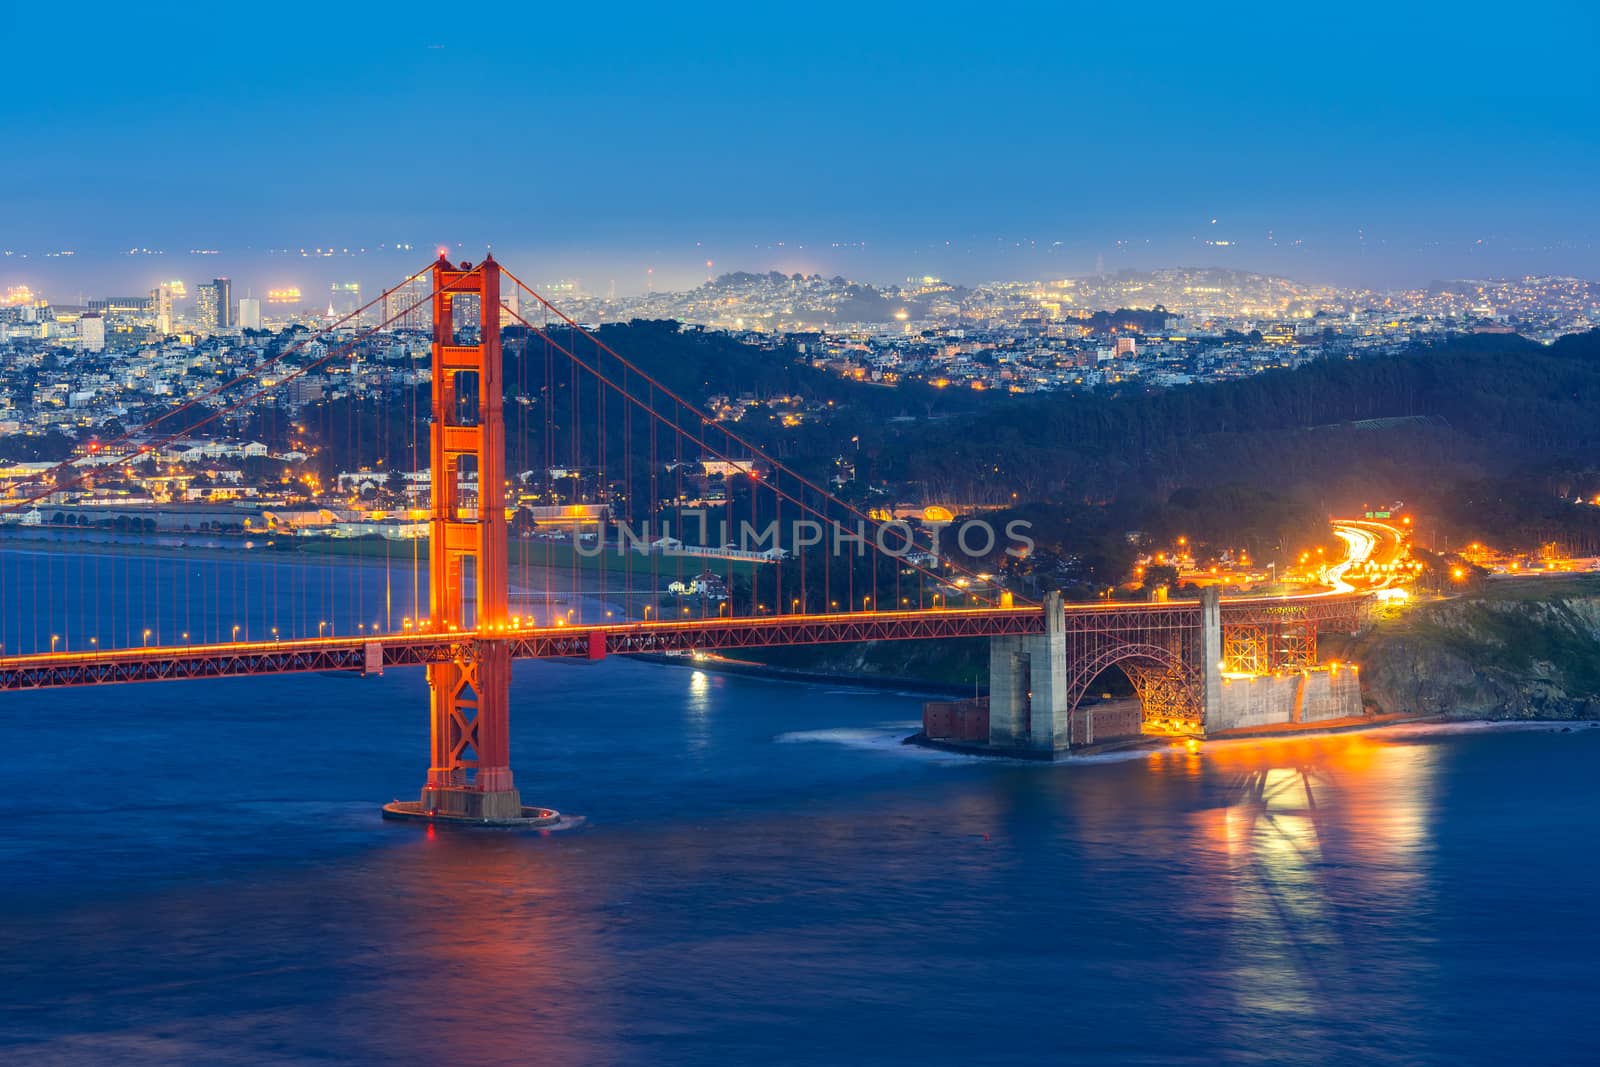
1365	542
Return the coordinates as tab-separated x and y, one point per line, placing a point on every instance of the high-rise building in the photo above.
226	318
215	307
92	331
205	308
249	313
510	306
161	307
408	306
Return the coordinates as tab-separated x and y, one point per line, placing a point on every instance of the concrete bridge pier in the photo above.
1028	686
1008	692
1210	651
1050	721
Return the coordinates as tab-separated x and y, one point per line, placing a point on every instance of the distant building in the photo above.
161	307
510	306
92	331
249	313
1126	347
343	298
215	307
121	305
409	306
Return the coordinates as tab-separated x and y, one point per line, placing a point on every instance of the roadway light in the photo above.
53	639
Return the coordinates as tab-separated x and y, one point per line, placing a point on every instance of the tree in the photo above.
1157	576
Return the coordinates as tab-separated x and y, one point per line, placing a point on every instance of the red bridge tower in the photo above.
469	776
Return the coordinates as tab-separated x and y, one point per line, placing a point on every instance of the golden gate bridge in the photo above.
477	599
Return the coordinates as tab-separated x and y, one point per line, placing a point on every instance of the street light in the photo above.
147	638
53	639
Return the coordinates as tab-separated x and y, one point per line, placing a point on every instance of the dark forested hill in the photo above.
1475	406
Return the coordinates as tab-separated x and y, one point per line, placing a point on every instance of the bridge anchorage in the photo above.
1197	668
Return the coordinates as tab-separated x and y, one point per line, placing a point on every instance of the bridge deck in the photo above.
366	653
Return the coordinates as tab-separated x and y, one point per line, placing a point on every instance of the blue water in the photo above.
196	873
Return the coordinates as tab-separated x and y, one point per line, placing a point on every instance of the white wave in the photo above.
1473	726
890	738
885	737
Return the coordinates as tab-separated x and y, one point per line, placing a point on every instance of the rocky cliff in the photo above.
1518	650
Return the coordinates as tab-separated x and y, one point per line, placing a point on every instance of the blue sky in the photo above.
1386	143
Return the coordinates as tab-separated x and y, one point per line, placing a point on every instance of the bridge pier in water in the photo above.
1029	706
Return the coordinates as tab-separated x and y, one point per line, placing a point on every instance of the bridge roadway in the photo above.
368	654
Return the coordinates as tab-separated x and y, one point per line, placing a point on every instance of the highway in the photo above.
1376	543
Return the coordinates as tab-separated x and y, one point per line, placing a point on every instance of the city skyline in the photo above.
316	281
1385	150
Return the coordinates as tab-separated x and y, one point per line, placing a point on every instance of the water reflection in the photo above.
1307	833
697	711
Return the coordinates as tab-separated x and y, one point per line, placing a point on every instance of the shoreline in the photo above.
1397	727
